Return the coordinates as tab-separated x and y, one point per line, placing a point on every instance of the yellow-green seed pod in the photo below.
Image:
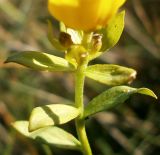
76	54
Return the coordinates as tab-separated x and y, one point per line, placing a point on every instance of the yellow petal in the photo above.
92	13
118	3
83	14
63	10
65	2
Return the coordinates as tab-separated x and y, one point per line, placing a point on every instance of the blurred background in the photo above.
132	128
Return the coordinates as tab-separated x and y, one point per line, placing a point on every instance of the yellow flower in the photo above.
84	14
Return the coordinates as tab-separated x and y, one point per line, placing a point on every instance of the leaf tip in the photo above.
6	61
10	59
148	92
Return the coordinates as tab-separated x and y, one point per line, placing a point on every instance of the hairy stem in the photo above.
80	123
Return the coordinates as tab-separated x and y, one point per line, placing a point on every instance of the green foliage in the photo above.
76	54
111	74
113	31
51	115
41	61
80	48
113	97
51	135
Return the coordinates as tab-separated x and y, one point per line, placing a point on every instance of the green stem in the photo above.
80	123
87	37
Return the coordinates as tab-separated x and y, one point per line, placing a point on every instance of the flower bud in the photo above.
96	42
65	39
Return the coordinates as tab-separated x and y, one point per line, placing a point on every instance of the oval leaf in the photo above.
113	97
51	115
50	135
41	61
111	74
113	31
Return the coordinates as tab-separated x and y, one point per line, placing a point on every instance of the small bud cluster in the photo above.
77	53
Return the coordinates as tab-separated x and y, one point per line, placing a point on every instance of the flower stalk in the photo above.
80	123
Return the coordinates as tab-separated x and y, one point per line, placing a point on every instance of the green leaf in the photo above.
51	115
113	97
111	74
50	135
41	61
113	31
